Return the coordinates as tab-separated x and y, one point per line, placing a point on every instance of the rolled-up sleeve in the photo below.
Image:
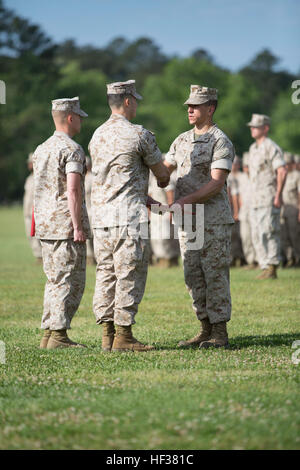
75	162
223	155
277	158
151	152
170	156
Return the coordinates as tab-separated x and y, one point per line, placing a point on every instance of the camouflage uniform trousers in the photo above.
247	244
265	222
290	232
65	267
122	266
206	273
34	242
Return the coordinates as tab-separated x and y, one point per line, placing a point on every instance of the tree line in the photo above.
36	70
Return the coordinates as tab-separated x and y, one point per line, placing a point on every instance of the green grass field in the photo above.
243	398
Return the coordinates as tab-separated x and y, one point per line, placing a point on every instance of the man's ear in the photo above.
126	102
69	118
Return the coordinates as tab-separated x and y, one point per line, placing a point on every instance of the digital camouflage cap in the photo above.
121	88
259	120
201	94
68	104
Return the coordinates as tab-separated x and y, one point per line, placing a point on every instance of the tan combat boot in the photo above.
219	337
45	338
269	273
204	335
108	335
124	341
60	339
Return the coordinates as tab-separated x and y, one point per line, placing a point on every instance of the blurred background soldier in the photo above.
165	251
267	175
245	215
290	214
27	211
234	187
90	257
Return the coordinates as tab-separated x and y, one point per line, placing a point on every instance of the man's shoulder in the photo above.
59	142
270	144
220	135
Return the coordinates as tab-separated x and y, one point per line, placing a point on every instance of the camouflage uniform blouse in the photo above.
121	153
52	160
194	159
264	159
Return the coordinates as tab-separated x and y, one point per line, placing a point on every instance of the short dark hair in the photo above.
116	101
212	103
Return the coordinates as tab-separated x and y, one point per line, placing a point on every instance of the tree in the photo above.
285	122
269	82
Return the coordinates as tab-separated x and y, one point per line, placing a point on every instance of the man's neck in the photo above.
65	131
203	128
260	140
120	112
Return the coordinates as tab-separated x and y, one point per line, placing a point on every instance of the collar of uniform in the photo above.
118	116
61	134
204	137
261	145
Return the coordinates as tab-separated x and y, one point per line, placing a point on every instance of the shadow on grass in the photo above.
240	342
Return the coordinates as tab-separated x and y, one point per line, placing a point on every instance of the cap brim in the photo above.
137	96
82	113
250	124
196	102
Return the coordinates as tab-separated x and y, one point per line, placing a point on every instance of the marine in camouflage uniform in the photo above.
203	157
122	154
267	175
56	162
290	213
165	248
27	211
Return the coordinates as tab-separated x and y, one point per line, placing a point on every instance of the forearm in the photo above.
281	177
205	193
75	204
161	173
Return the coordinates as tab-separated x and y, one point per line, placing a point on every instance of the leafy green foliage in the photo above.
36	71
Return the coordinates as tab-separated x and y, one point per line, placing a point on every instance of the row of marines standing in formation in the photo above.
122	155
244	247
